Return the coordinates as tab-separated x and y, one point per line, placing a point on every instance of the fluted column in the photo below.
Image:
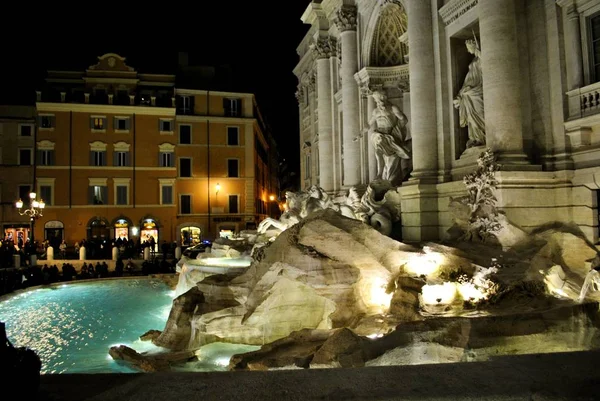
422	90
574	58
501	80
370	148
324	49
346	23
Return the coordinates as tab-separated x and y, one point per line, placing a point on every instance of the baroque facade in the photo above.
124	154
413	91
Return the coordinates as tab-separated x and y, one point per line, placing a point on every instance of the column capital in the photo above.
324	47
345	18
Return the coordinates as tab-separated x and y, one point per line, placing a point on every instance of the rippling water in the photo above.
71	327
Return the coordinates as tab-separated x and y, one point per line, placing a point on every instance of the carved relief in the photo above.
346	18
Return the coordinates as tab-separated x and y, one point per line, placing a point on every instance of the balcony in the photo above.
584	101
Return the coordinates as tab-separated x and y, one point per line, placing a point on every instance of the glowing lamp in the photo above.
19	204
218	187
271	198
32	195
42	204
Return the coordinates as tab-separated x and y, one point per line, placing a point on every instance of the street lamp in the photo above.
35	210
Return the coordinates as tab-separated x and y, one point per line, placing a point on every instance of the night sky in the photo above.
257	40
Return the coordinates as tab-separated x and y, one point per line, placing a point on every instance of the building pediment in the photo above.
111	62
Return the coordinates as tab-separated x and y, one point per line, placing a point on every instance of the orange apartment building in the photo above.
126	154
17	145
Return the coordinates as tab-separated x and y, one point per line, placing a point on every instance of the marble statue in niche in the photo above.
388	136
469	100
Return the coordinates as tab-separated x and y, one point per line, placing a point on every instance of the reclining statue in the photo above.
299	205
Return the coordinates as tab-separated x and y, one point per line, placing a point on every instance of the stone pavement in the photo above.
541	377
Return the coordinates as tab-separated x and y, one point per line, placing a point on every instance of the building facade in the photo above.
17	150
122	154
519	77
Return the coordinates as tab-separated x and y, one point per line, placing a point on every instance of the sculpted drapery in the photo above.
469	100
387	135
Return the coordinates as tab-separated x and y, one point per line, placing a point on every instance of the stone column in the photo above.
324	48
346	23
501	81
422	89
370	149
574	58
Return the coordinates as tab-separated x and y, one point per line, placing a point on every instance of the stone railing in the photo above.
455	8
584	101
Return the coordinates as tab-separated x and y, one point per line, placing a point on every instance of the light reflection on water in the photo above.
72	327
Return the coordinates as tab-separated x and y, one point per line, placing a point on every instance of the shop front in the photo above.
149	231
17	233
121	227
190	234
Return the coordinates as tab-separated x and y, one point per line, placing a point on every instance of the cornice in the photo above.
215	119
105	109
377	77
455	9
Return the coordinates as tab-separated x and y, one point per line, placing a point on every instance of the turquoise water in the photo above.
72	327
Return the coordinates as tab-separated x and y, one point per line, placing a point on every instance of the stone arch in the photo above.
382	46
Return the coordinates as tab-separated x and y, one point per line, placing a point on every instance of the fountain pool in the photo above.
72	326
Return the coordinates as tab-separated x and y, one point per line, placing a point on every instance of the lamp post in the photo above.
35	211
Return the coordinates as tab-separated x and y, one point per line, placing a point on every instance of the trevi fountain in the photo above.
327	286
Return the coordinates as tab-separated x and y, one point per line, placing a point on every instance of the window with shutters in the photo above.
233	204
122	195
45	190
167	159
185	134
121	159
46	122
185	167
98	195
232	107
185	202
121	190
166	193
98	123
121	124
165	126
46	194
233	168
98	158
233	136
184	103
45	158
